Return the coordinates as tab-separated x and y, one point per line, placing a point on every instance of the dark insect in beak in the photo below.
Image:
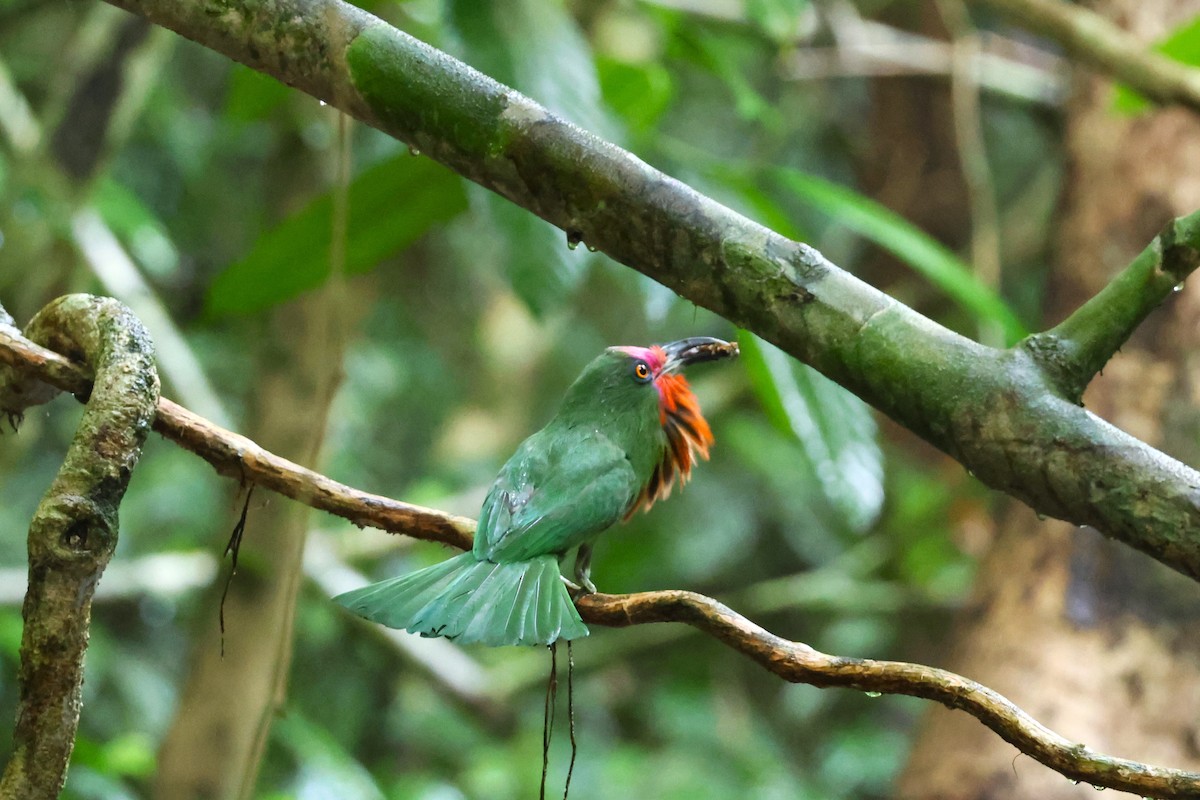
696	349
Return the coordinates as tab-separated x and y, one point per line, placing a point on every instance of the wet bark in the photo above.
74	531
1095	643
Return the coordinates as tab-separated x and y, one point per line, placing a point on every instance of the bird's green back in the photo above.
581	473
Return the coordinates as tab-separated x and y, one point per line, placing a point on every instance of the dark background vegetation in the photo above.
463	319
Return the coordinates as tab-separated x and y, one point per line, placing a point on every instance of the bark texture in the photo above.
1036	444
74	531
1101	647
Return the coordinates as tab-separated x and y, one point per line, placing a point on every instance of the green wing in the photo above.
560	489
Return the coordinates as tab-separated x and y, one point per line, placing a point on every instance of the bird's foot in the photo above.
575	589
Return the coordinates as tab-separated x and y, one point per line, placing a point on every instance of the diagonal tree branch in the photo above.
74	532
1004	414
237	456
231	454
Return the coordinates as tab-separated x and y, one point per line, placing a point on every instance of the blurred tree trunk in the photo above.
1096	641
216	742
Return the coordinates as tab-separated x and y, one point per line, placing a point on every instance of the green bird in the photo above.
628	428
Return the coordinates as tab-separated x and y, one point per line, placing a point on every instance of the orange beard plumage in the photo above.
688	437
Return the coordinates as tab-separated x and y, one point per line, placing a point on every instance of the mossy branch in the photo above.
236	456
74	530
1076	349
1002	414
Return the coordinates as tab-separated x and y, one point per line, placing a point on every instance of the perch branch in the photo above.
1093	39
800	663
1033	442
236	456
74	530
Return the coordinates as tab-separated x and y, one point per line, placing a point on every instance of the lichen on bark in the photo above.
74	530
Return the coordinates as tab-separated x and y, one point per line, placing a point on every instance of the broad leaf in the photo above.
835	429
391	205
640	93
252	95
904	240
136	225
1182	45
537	48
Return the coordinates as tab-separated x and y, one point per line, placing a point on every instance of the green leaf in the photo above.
135	224
835	429
391	205
1182	45
128	754
253	95
536	47
904	240
779	20
640	93
727	57
541	268
560	74
326	768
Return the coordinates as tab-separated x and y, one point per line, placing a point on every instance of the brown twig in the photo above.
800	663
74	532
235	456
1034	443
241	458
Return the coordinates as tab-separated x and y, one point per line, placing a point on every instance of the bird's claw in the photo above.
575	589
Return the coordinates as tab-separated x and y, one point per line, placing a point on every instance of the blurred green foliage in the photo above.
473	316
1182	44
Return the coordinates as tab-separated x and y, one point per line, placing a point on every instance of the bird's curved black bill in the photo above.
696	349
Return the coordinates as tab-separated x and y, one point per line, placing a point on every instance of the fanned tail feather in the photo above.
468	600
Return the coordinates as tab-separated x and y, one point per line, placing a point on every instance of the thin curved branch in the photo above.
1097	41
1002	414
236	456
74	531
800	663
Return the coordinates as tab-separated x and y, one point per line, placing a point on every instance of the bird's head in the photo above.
627	382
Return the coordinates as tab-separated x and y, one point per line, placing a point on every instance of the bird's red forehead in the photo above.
654	356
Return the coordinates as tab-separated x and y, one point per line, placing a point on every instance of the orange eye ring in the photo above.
641	371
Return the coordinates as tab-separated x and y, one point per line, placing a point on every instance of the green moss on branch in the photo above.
74	530
997	412
1075	350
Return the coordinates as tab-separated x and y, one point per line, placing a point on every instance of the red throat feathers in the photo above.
688	436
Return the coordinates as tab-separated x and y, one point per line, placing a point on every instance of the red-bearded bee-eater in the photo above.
628	428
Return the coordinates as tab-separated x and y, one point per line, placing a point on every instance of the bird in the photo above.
628	428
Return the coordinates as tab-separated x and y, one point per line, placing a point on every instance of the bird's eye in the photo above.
641	371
